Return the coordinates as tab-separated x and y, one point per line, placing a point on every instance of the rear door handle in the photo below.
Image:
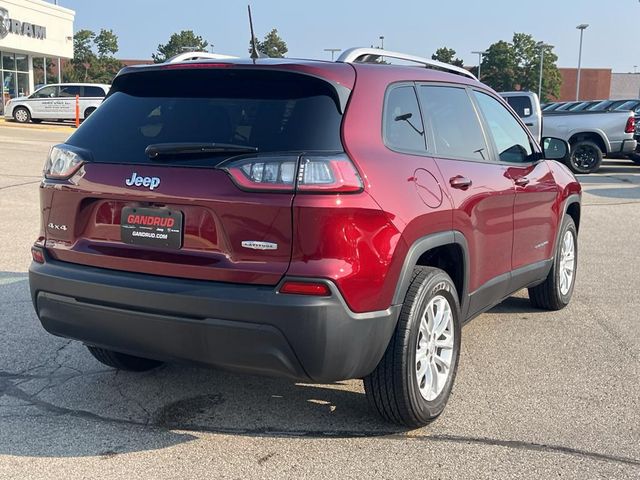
522	181
460	182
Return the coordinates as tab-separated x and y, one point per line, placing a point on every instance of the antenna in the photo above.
254	48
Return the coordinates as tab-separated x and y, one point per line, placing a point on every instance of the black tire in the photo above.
548	295
392	388
21	115
88	112
122	361
635	157
585	157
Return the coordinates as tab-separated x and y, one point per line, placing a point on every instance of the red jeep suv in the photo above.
315	220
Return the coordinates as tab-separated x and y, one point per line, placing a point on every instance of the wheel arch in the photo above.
23	105
571	207
448	251
596	136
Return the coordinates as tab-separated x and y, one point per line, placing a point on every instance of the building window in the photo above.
14	74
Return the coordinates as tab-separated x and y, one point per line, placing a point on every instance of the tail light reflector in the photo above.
305	174
305	288
37	254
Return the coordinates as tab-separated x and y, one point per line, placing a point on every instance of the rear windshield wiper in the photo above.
157	149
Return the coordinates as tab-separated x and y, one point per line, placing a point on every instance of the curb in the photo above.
33	126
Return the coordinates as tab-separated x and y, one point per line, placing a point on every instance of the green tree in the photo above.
447	55
515	65
272	45
93	59
106	43
185	41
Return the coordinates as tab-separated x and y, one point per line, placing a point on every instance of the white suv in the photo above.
56	102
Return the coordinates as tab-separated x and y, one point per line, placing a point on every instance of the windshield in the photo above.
272	111
630	105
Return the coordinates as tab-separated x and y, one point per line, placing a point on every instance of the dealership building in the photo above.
34	35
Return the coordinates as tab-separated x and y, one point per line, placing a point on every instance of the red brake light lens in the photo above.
305	288
307	174
631	125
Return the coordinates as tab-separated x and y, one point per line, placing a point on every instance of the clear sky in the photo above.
412	26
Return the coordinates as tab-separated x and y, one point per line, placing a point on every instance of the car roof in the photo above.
339	72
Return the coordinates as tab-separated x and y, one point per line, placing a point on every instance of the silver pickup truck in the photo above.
591	135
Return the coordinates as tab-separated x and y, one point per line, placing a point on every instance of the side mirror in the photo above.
555	148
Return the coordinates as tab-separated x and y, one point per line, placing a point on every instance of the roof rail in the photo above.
363	54
189	56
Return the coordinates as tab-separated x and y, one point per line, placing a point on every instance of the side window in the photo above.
70	91
403	128
93	92
456	128
46	92
511	139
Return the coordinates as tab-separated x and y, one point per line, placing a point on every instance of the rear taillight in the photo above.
305	174
63	161
631	125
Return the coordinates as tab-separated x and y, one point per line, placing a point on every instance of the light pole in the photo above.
333	51
480	55
582	27
381	41
542	46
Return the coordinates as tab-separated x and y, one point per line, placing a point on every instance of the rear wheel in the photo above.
122	361
585	157
635	156
411	384
556	291
88	112
21	115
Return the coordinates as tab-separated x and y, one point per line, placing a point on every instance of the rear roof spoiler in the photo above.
190	56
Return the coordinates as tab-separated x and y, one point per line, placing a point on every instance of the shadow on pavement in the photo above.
56	400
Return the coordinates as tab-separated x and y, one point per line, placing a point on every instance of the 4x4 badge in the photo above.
255	245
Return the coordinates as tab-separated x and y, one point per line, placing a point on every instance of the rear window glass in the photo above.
521	105
273	111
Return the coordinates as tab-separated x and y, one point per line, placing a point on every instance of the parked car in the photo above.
56	102
527	106
633	105
606	105
277	217
566	106
552	106
591	134
635	155
582	106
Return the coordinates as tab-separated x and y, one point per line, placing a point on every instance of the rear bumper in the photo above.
624	146
239	327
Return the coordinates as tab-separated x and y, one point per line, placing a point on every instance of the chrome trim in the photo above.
352	55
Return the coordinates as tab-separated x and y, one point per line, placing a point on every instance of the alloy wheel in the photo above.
434	348
567	262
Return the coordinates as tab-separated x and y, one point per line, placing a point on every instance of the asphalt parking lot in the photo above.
538	394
